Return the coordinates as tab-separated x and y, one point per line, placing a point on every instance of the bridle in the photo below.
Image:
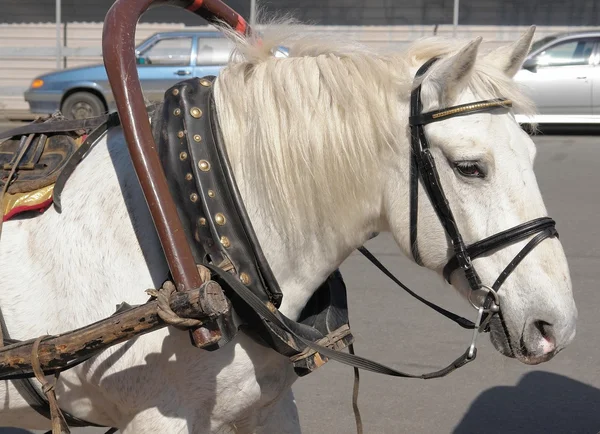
423	167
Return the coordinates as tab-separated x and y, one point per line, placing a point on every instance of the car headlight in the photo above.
37	83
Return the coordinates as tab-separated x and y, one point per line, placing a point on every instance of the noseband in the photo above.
423	166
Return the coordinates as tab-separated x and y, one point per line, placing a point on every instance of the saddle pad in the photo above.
17	203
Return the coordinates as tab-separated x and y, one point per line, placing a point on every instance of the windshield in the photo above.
541	42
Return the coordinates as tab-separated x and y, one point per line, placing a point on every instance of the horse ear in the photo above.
450	75
510	58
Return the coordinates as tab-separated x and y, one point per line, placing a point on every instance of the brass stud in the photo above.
193	197
183	156
188	177
196	112
180	134
225	242
202	221
204	165
220	219
175	92
245	278
205	82
197	138
177	112
211	193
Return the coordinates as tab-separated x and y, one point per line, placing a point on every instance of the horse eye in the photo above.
470	169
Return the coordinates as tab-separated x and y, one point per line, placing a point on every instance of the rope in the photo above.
163	296
59	424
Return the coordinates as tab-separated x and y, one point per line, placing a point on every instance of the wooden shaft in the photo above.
118	47
60	352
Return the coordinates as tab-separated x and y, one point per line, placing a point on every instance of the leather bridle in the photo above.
423	167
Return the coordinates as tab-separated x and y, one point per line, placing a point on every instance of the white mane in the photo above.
313	126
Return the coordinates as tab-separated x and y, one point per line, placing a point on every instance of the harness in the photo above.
217	227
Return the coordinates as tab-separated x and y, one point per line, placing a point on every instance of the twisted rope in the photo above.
163	297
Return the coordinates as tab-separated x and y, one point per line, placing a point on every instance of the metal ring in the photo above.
473	346
495	307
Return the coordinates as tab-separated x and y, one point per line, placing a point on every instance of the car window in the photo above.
173	51
538	44
213	51
567	53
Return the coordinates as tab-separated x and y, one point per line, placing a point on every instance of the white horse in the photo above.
320	148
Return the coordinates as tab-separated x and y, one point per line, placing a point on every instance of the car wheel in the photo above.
82	105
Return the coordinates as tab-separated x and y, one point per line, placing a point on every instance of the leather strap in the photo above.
463	322
56	126
501	239
111	121
32	394
275	317
547	233
459	110
415	108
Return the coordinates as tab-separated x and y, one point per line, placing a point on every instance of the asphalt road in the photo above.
493	394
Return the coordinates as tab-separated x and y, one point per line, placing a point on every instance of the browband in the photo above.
459	110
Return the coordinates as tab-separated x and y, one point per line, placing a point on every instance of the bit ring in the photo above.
490	291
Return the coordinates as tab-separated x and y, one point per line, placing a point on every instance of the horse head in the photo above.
485	163
321	145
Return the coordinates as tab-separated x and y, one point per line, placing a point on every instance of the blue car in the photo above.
163	60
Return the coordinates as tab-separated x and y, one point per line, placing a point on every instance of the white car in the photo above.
562	76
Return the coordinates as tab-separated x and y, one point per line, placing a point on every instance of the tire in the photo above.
82	105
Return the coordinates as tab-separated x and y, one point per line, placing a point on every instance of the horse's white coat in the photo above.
60	272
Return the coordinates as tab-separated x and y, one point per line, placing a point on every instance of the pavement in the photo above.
493	394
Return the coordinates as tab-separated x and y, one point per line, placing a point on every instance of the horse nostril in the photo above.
546	332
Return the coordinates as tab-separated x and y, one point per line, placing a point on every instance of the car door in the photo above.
559	78
163	64
211	55
596	81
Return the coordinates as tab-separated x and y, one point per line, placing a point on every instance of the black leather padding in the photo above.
203	189
189	142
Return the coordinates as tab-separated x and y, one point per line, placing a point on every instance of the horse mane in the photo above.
309	130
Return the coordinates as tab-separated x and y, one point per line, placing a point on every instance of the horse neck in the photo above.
300	255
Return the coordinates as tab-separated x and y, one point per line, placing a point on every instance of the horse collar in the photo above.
190	145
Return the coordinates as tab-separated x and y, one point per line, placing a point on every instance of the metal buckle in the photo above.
490	291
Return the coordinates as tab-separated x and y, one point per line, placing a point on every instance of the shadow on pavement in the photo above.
540	403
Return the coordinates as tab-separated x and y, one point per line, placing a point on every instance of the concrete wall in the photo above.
17	70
